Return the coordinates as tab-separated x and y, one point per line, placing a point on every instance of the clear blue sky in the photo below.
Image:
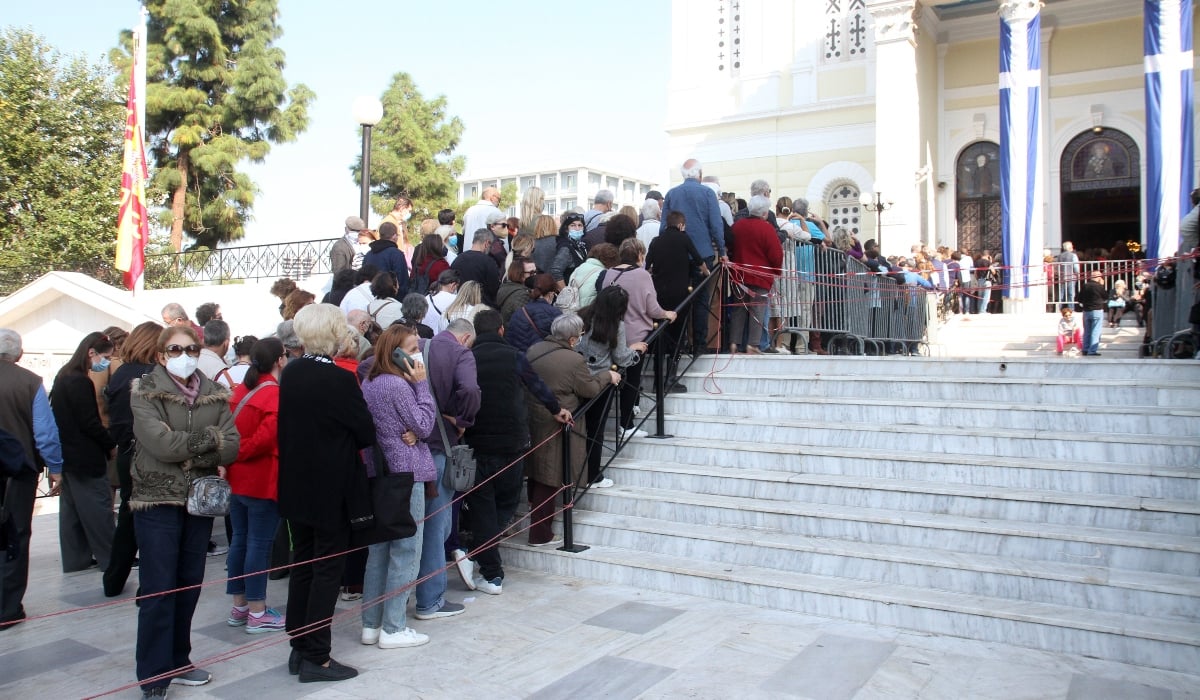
532	80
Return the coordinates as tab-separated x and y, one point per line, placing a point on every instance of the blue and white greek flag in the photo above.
1020	155
1169	154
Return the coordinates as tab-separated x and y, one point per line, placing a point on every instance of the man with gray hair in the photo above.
475	218
173	314
341	254
602	203
651	211
25	417
817	228
216	344
475	264
291	342
698	204
713	183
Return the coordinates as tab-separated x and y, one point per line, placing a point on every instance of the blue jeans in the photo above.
1092	322
433	551
391	568
254	523
174	546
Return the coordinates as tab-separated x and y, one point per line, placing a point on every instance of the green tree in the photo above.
215	96
61	133
412	151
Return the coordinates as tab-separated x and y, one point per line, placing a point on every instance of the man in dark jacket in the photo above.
499	436
1093	298
26	415
386	256
475	264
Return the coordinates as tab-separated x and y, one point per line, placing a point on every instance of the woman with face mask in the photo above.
85	522
184	430
571	250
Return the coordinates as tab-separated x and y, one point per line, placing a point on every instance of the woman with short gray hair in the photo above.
566	373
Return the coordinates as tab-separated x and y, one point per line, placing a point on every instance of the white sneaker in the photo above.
637	410
466	568
407	637
493	587
552	543
604	483
370	635
632	433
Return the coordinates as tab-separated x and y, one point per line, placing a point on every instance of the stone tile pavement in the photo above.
550	637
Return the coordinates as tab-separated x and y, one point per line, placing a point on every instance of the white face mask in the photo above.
182	366
406	216
230	356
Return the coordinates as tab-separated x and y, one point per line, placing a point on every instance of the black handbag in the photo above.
389	496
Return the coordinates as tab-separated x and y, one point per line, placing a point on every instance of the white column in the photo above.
897	122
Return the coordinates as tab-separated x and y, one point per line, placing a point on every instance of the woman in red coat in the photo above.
254	480
757	256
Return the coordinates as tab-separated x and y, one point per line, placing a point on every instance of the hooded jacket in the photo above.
387	257
177	443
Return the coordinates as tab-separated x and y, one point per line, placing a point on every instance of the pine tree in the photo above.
412	151
215	96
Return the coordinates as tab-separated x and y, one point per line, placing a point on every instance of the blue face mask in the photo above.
454	241
575	235
100	365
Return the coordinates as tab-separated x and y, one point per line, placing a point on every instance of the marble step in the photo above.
1067	476
1089	587
1177	517
1133	393
1053	444
963	368
1138	551
1134	639
961	414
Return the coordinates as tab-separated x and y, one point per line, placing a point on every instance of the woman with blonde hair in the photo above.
467	302
633	214
522	248
532	203
545	242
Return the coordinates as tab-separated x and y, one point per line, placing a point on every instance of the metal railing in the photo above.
298	260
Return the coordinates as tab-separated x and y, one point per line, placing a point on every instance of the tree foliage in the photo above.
215	96
412	151
61	132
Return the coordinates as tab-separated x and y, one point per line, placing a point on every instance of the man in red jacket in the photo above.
757	257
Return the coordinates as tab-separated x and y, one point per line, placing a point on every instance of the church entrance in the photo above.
1101	193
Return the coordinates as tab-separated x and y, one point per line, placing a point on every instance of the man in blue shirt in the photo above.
24	414
705	227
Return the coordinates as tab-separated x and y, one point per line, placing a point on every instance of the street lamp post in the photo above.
875	202
367	112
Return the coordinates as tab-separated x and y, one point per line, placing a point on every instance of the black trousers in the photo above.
124	546
628	393
313	589
491	506
19	493
597	418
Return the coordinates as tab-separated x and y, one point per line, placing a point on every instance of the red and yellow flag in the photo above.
133	228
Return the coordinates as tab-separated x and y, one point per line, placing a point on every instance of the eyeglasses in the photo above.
530	272
502	224
177	350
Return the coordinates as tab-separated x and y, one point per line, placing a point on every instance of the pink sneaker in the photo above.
237	618
271	621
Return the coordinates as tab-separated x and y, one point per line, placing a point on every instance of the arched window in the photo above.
1100	173
843	207
977	178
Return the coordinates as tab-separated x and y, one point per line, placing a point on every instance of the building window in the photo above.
845	34
612	184
472	191
844	209
490	183
527	182
568	182
549	183
551	207
593	182
508	181
629	189
568	204
645	190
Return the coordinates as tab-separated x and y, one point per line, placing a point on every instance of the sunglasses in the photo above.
177	350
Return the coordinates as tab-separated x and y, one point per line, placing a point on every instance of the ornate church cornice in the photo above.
895	20
1019	10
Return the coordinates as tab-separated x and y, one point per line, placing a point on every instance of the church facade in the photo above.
900	101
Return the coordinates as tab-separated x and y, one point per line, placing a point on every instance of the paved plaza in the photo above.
550	637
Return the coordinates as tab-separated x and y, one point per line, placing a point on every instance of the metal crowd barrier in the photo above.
856	311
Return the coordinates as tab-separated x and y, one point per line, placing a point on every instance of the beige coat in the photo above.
567	375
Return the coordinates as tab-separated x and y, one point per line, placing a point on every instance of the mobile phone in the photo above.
402	359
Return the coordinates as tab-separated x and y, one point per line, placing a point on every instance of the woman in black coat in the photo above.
85	523
140	355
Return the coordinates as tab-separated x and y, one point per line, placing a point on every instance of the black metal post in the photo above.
660	379
568	496
364	202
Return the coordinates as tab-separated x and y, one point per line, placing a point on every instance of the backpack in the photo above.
419	282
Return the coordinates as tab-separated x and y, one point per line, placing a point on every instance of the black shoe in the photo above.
677	388
13	621
312	673
294	662
279	574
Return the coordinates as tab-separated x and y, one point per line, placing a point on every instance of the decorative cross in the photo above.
857	30
833	35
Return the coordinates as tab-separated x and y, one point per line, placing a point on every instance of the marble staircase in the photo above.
1037	502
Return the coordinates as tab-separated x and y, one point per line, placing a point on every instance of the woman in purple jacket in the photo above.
398	398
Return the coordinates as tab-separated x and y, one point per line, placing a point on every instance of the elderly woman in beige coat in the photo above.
565	371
